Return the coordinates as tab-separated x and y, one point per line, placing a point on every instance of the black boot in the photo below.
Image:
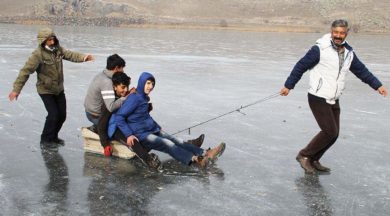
59	141
153	161
49	145
198	141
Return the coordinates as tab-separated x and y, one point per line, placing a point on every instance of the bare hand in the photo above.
13	96
89	57
131	139
284	91
382	90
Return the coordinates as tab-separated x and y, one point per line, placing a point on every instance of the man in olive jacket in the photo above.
46	60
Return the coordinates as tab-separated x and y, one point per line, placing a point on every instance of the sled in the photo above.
92	144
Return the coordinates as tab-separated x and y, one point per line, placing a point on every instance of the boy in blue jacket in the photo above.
136	125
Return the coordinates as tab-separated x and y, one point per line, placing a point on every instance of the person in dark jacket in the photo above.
46	60
136	125
328	61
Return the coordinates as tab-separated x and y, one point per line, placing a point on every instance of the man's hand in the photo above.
131	139
382	90
89	57
13	96
284	91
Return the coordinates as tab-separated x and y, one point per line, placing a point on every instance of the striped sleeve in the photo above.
108	96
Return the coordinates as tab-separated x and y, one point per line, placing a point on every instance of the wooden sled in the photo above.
92	144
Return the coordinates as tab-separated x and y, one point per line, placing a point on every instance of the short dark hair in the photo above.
152	80
120	78
340	23
115	61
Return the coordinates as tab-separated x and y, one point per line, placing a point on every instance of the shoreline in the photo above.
186	26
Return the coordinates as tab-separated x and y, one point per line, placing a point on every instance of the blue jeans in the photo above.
93	119
173	146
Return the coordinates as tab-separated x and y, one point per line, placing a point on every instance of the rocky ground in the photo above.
266	15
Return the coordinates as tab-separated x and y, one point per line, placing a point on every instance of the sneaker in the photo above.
153	161
216	152
59	141
305	164
198	141
47	145
318	166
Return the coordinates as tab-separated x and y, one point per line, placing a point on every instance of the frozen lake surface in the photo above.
199	75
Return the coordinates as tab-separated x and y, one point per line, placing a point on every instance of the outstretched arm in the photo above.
382	90
360	70
89	57
308	61
30	67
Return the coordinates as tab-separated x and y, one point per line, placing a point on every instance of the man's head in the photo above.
50	42
115	63
47	38
339	31
121	83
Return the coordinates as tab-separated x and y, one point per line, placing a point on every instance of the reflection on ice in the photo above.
55	194
314	195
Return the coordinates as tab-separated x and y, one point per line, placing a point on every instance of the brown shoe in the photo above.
198	141
202	161
215	152
318	166
305	164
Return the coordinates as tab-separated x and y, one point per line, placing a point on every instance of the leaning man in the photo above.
46	60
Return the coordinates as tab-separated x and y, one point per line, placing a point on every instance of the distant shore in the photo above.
122	23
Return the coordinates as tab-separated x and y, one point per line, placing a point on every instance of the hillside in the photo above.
264	15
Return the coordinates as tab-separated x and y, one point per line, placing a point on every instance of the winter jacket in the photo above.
47	64
100	92
327	78
133	117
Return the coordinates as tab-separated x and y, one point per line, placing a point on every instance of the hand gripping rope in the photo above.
230	112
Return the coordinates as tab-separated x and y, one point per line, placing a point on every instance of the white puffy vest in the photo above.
326	80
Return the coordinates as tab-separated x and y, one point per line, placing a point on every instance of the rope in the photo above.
228	113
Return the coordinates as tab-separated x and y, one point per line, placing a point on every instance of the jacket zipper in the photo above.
319	85
338	75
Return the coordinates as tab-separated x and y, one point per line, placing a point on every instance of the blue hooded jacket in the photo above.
133	117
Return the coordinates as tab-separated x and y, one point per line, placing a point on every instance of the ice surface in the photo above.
200	74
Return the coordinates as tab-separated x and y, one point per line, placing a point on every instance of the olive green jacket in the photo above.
47	64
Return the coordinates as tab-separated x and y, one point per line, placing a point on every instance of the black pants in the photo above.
138	148
328	119
103	126
56	114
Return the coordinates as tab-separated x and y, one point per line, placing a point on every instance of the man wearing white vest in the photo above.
328	61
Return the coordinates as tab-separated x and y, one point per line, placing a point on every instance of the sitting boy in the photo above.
121	82
132	124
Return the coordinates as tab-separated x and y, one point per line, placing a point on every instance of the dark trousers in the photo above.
328	119
138	148
56	114
102	126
